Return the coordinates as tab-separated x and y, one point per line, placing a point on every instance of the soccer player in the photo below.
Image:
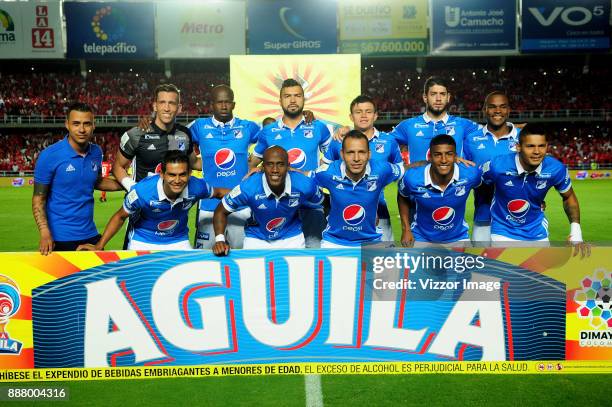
418	132
224	142
439	192
144	150
383	147
274	198
355	184
303	143
65	176
159	207
521	181
498	137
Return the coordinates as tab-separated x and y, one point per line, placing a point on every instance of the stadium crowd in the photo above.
397	90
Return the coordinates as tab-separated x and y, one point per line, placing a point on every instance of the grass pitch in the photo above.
19	234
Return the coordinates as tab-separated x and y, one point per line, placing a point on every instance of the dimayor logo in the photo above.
452	16
10	302
595	304
297	158
109	26
7	27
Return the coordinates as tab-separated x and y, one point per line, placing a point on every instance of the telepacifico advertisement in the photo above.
473	27
292	27
565	25
383	28
385	305
211	29
30	30
110	30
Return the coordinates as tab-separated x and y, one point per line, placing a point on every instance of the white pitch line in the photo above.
314	394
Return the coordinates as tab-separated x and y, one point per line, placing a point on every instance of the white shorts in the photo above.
326	244
384	226
234	232
137	245
294	242
456	243
481	233
504	241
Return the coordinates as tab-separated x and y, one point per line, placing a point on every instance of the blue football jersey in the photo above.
352	216
440	215
302	143
155	218
480	147
224	148
516	211
417	133
273	217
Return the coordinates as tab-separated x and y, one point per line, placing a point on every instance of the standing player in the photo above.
417	132
224	143
65	176
498	137
303	143
355	184
143	150
158	207
439	192
274	198
106	170
521	182
383	147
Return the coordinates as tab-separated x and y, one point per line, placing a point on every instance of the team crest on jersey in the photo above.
94	167
512	146
187	205
460	190
308	134
372	185
380	148
541	184
293	202
181	146
450	130
238	133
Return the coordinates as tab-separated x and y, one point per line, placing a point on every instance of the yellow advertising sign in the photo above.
390	27
330	83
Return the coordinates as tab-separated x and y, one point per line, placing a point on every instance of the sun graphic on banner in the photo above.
319	92
330	82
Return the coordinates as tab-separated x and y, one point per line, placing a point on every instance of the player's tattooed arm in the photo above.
120	167
571	206
39	201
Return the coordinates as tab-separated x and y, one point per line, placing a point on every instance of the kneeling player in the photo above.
274	196
158	207
521	181
355	184
439	191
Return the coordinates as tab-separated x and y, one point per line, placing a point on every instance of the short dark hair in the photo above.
356	135
433	81
442	139
495	93
531	129
290	83
363	99
175	157
215	91
278	148
167	87
79	107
